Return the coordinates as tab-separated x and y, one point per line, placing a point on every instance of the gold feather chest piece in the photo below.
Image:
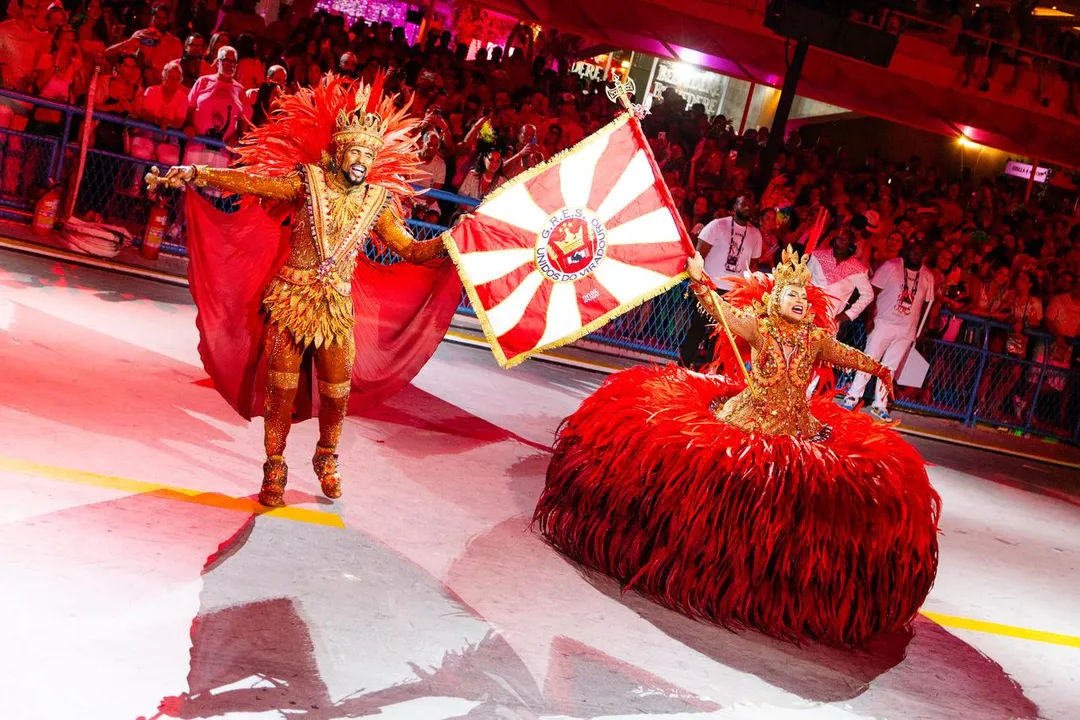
340	217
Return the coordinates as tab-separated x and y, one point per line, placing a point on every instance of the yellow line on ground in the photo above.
963	623
198	497
315	517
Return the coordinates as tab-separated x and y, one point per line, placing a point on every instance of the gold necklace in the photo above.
346	204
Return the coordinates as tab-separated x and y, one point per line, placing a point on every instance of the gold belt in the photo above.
311	276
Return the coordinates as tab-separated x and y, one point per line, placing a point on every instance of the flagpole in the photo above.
620	94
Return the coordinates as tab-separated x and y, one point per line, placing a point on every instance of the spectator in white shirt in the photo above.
216	109
1063	320
434	168
840	273
906	293
165	105
730	246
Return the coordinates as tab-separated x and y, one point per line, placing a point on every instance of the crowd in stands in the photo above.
1002	41
213	73
993	254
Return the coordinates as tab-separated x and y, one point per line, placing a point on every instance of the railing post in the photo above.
1076	430
61	149
1038	387
969	414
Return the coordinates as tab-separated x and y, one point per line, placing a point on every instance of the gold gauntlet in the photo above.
845	356
392	232
245	183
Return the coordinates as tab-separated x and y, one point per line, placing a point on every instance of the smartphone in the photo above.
662	136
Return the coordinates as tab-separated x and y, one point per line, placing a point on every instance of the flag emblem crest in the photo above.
571	245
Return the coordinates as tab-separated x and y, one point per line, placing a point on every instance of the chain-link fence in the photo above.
26	166
1034	389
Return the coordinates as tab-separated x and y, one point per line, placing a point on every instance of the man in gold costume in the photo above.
336	195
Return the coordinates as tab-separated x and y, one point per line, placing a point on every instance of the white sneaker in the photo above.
880	414
848	402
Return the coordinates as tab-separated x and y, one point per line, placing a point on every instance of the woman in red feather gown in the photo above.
748	504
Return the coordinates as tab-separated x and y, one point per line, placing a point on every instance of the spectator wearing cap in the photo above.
56	17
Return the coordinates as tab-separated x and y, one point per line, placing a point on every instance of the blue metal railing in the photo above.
971	382
967	381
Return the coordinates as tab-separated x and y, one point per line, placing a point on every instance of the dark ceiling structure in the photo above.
729	37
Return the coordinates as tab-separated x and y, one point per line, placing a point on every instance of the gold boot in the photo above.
325	464
275	475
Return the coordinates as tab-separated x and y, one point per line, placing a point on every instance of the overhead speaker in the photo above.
823	26
866	43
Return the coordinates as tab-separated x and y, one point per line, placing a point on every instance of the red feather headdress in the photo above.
301	128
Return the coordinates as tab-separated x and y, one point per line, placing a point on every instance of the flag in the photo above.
569	245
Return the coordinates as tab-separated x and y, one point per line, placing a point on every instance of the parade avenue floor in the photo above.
140	579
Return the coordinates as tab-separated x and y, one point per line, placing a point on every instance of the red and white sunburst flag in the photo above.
571	244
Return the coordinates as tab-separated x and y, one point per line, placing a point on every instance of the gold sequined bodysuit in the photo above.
782	359
311	296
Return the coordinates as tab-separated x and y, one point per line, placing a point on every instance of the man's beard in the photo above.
742	218
356	174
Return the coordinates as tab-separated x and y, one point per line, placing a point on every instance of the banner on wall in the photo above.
692	83
1023	170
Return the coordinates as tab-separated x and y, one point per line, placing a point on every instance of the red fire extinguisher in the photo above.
46	209
156	227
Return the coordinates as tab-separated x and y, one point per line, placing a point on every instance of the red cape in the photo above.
402	311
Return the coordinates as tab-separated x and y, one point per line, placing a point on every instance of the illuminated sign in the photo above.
1023	170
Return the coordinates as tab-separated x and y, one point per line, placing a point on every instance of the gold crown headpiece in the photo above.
792	270
362	126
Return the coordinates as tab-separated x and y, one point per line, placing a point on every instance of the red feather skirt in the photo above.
835	541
